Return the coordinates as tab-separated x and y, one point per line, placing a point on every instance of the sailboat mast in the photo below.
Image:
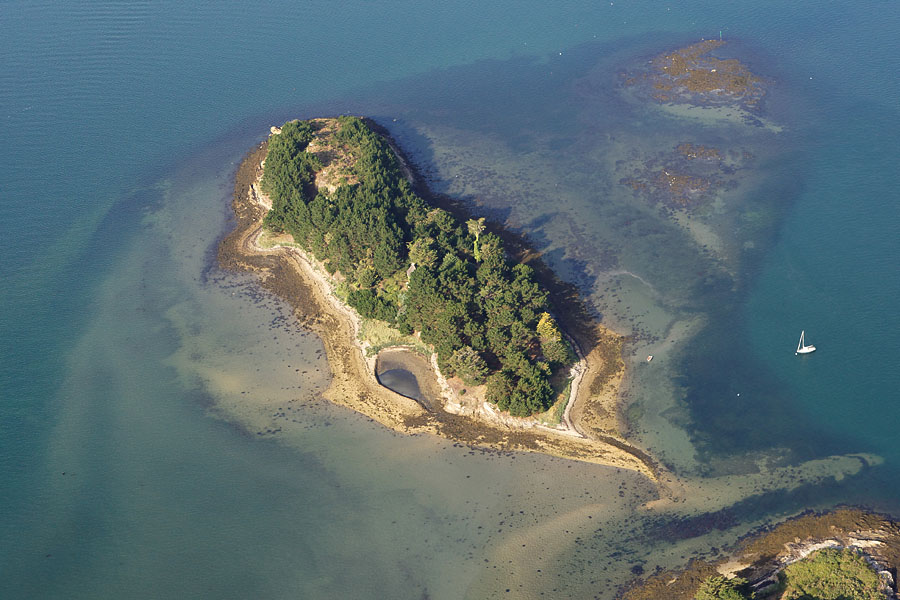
802	348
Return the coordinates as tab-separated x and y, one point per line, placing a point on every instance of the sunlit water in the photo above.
162	429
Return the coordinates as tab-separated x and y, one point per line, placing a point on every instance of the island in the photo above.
334	220
846	554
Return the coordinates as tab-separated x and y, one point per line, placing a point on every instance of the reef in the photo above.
694	75
686	176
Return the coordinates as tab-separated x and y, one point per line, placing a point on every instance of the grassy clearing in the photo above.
342	291
380	335
377	333
831	574
268	240
554	415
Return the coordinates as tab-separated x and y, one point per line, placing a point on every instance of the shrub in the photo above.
469	365
371	306
720	588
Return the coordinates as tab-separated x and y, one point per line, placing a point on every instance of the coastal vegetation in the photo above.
831	574
828	574
722	588
847	554
412	265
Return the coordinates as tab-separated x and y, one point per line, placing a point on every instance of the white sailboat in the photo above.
802	348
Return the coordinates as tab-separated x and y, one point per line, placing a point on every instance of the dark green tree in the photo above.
422	252
479	312
469	365
500	387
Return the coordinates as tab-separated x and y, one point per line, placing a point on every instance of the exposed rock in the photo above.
761	556
693	75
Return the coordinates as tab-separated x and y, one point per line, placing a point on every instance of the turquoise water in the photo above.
161	430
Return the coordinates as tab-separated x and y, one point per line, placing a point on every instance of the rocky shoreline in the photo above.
760	556
288	273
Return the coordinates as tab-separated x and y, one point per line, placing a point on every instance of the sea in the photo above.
162	429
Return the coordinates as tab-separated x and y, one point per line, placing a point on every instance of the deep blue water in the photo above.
122	346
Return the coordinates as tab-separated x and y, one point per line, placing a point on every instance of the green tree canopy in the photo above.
479	312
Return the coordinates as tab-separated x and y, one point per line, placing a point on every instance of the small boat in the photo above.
802	348
649	357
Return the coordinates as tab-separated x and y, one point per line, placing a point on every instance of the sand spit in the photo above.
289	273
697	495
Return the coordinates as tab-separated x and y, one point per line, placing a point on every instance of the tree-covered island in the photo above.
331	219
411	265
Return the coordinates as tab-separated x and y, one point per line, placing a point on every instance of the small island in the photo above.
334	221
846	554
